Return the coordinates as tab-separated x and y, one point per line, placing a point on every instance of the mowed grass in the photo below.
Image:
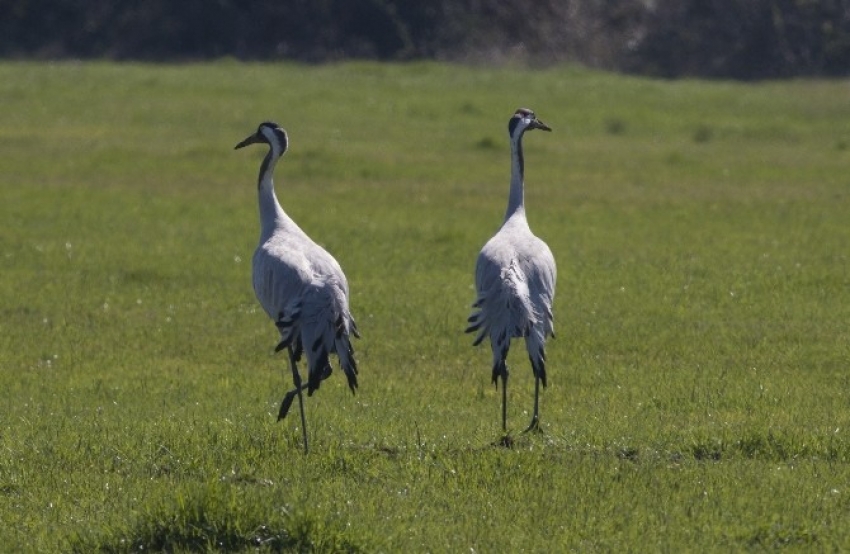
699	384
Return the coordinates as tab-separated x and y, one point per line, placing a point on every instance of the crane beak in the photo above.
537	124
253	139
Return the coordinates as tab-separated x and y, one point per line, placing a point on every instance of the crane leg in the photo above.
500	371
505	401
535	419
287	400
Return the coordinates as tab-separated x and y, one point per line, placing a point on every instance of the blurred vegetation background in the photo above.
740	39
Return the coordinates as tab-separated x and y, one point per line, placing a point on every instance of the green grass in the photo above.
699	381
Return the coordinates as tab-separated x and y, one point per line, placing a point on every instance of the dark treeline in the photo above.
744	39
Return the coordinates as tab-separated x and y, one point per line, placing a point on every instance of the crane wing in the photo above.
538	264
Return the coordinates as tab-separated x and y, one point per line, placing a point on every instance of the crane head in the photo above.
525	120
267	133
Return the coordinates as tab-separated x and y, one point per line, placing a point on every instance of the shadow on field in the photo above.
209	522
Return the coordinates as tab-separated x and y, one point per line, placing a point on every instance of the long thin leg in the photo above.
296	379
535	419
505	401
500	371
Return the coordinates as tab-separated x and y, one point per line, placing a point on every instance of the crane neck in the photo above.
516	197
270	210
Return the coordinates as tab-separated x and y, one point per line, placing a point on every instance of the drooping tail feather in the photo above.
353	326
535	343
320	369
504	306
476	323
345	351
500	356
286	324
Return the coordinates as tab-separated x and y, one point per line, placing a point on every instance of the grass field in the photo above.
699	385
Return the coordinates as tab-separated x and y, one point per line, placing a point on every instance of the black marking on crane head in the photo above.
276	131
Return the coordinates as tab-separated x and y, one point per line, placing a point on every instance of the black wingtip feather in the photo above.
538	366
285	405
297	349
352	382
500	369
318	372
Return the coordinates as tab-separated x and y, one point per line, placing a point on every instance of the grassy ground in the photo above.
699	382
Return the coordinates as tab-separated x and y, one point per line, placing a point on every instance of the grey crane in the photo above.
300	286
515	280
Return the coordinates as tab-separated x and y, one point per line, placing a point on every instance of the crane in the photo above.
300	286
515	280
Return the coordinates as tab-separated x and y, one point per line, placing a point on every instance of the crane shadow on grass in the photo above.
207	521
